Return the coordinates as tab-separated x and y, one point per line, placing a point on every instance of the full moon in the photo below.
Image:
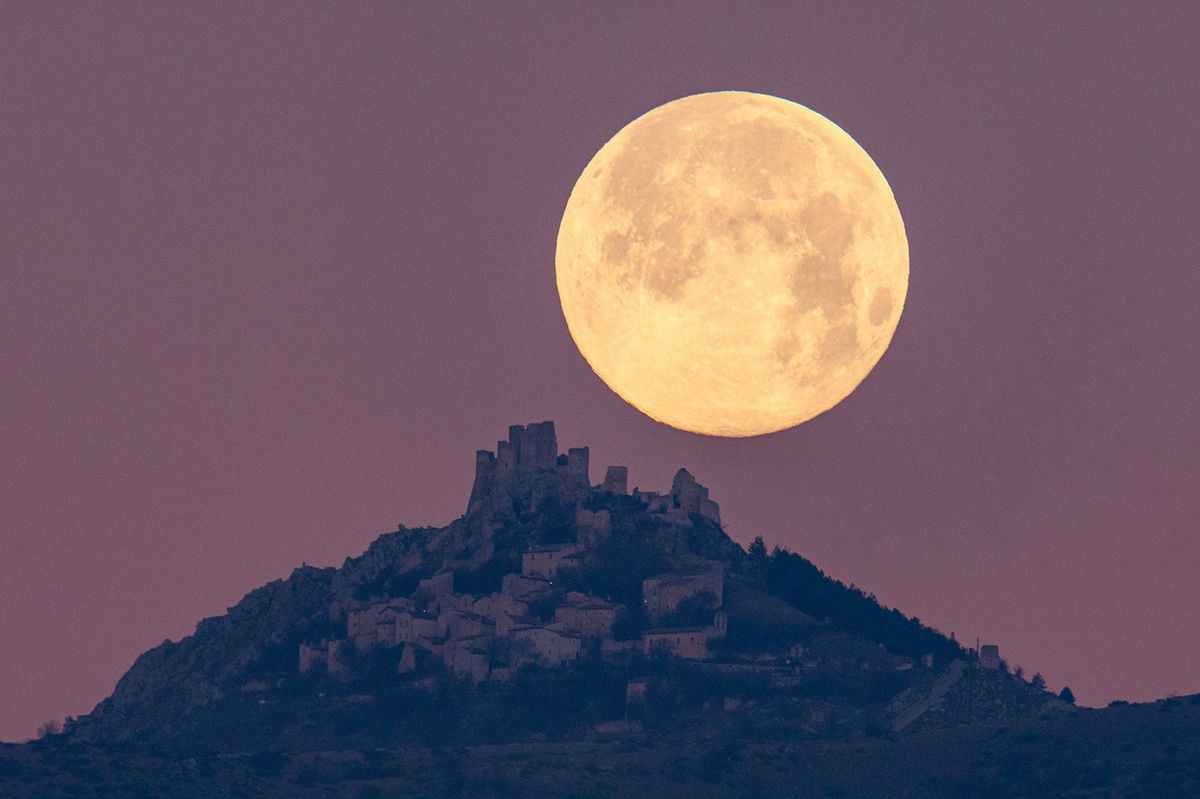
732	264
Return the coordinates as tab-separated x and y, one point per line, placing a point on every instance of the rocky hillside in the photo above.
778	619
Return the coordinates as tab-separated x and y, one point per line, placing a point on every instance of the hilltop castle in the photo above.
490	636
526	469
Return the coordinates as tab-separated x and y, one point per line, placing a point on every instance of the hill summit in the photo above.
559	607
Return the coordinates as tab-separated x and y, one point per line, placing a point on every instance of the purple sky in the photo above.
269	276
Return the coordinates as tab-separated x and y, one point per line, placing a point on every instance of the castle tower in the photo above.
616	480
691	497
523	467
485	480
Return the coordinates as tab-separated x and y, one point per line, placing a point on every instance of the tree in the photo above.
1038	681
1019	673
48	728
758	550
1067	695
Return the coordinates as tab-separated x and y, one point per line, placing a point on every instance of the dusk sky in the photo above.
271	273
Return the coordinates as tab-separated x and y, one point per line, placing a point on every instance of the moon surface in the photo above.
732	263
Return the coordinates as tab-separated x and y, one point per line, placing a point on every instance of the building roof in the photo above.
550	547
685	575
471	615
534	627
677	630
534	577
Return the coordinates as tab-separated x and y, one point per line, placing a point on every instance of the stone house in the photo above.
445	602
543	645
524	587
495	605
683	642
989	656
686	642
590	617
362	621
663	594
544	561
507	622
463	623
337	663
312	657
469	656
404	626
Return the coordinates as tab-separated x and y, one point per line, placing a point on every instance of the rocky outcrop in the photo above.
172	679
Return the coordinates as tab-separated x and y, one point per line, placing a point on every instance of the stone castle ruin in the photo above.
526	470
491	636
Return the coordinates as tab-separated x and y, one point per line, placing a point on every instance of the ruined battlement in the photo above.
616	480
527	469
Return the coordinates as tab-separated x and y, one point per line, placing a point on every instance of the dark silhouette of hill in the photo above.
1149	751
538	502
567	637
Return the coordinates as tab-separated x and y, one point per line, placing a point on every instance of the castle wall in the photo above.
593	528
577	462
485	480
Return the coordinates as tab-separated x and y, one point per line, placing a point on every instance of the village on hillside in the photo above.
535	618
492	636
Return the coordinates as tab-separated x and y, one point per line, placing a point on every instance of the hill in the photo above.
553	613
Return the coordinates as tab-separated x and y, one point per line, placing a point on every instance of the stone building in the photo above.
469	656
687	497
543	645
312	657
492	636
544	561
616	480
663	594
440	584
589	617
683	642
494	605
690	497
593	527
404	626
989	656
463	623
337	659
690	642
363	622
527	469
524	587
